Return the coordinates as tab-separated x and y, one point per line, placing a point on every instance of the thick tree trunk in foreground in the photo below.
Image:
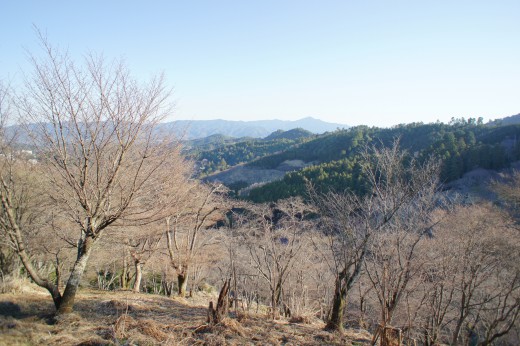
182	282
335	321
138	276
67	300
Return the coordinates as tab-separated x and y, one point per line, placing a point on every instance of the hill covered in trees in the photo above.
293	134
332	161
213	141
213	157
510	120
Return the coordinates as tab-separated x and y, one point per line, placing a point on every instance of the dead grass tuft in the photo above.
11	285
114	307
301	320
122	325
227	329
64	340
68	320
19	285
105	333
232	325
126	327
211	340
359	335
323	337
95	342
152	329
8	324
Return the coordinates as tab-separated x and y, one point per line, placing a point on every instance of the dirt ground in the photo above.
126	318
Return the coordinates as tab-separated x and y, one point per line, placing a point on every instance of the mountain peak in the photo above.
256	128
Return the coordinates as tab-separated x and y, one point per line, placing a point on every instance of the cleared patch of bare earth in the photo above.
126	318
250	175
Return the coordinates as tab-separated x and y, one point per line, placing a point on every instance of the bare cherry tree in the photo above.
394	265
141	249
22	199
435	308
487	281
186	225
8	256
93	127
274	237
394	180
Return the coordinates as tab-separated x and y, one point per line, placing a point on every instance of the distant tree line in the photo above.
462	145
230	155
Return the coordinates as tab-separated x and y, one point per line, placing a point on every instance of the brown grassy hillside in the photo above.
126	318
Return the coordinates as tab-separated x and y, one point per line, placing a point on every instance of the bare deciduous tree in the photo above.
486	273
394	182
8	254
274	237
435	306
394	264
20	193
508	191
185	225
93	127
141	248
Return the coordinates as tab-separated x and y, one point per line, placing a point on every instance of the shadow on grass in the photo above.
157	308
28	308
10	309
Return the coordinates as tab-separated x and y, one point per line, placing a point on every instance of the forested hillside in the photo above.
212	142
462	146
229	153
294	134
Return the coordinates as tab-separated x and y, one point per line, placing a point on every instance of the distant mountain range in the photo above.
257	128
511	120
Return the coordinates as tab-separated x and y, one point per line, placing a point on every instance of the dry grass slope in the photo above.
125	318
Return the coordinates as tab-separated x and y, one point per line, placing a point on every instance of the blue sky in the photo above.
353	62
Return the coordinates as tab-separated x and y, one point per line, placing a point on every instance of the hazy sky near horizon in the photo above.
352	62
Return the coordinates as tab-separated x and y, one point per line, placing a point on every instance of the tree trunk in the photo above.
67	301
124	274
182	281
460	320
335	321
56	295
216	315
167	285
276	298
274	306
138	276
